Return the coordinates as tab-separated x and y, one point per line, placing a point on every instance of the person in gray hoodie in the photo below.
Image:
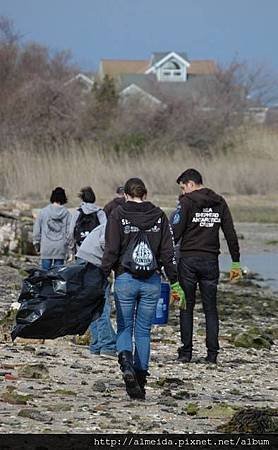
87	217
103	336
50	231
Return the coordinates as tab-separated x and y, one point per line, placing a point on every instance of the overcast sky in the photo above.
205	29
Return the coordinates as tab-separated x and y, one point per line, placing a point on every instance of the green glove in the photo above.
235	272
177	294
235	265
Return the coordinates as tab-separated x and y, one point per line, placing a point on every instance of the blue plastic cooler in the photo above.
162	307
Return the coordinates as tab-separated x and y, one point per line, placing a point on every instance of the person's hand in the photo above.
37	247
70	258
235	272
177	295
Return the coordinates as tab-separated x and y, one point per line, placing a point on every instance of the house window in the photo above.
172	71
172	65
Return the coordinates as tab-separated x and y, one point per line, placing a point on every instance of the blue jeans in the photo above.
48	264
103	336
136	301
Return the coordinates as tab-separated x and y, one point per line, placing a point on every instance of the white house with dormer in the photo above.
166	75
171	67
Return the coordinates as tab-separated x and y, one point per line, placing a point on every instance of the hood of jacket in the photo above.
56	212
89	208
118	200
204	198
142	215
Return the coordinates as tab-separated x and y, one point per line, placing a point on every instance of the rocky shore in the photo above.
58	387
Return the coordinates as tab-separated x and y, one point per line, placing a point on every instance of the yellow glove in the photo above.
235	272
177	295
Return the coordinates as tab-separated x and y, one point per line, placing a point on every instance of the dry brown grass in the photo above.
251	167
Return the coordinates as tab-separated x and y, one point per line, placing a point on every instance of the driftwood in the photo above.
7	215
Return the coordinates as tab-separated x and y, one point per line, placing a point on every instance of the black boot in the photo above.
211	358
126	364
184	356
141	376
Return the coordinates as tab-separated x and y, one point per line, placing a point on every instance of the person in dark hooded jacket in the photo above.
117	201
196	225
136	295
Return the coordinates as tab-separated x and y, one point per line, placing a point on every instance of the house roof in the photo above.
134	89
82	80
202	67
140	79
115	67
158	56
178	91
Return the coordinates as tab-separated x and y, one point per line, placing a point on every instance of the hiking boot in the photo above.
211	358
184	356
141	376
132	386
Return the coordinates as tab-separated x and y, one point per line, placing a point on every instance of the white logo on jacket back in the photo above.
128	228
207	218
142	255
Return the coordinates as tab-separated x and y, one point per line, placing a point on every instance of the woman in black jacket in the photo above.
138	242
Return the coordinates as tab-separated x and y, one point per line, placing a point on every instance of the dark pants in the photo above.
195	270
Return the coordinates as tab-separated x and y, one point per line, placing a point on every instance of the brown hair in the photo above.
135	187
87	194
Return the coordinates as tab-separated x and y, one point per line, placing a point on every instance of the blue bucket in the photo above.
162	306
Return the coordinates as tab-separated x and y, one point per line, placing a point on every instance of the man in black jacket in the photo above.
196	224
117	201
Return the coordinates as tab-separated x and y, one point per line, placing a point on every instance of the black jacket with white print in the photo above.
130	218
197	221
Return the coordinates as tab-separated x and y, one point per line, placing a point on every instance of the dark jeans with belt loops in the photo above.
202	271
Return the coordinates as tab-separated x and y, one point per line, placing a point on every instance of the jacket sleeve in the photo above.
179	220
227	226
70	234
101	217
102	238
112	245
37	229
68	224
108	209
167	251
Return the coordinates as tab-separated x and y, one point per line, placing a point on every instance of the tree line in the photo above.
39	106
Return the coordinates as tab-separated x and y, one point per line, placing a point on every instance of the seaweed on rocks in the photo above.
252	420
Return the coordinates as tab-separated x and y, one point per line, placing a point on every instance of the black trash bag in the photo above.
62	279
60	302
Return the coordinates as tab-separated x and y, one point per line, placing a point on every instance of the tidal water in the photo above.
264	264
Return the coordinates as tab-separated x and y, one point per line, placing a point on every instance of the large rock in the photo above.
253	338
252	420
16	233
37	371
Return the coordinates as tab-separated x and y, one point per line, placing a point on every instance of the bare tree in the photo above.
35	102
258	81
8	34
